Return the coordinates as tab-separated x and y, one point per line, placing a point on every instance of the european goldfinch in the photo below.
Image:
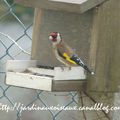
64	53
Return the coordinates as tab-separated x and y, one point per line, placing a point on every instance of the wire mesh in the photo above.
16	24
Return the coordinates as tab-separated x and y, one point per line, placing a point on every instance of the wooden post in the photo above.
105	48
36	29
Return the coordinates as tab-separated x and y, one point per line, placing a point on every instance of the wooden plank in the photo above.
20	65
36	31
65	86
70	1
29	81
62	5
105	48
76	73
64	73
44	79
41	71
89	4
42	83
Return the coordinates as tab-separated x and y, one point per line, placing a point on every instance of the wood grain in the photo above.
105	48
24	73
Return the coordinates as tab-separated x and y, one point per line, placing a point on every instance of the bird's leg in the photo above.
69	67
62	67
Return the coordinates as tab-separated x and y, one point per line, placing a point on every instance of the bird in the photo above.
64	53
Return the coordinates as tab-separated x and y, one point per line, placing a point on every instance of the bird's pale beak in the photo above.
50	37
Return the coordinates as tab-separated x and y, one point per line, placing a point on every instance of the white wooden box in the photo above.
25	73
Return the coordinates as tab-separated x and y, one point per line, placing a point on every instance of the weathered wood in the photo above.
24	73
65	86
105	48
76	73
62	5
74	28
20	65
42	83
29	81
36	30
41	71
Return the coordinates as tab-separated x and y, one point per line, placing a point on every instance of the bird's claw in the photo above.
69	67
62	68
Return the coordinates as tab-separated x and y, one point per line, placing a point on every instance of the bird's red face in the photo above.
55	37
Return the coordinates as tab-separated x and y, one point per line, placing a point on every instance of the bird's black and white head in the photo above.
55	37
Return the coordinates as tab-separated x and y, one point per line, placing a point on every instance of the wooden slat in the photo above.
62	5
36	30
41	71
76	73
42	83
20	65
72	85
90	4
29	81
20	73
105	48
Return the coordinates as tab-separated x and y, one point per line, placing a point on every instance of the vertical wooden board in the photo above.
114	82
36	30
74	28
105	48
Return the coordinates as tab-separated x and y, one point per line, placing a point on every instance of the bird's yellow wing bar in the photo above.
68	58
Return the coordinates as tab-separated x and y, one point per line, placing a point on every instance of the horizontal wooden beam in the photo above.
42	83
78	6
29	81
65	86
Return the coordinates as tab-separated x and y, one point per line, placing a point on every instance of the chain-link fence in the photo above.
16	24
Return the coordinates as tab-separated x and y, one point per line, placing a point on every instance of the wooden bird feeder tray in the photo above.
27	74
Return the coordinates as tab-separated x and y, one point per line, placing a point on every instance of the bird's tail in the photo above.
78	61
86	68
